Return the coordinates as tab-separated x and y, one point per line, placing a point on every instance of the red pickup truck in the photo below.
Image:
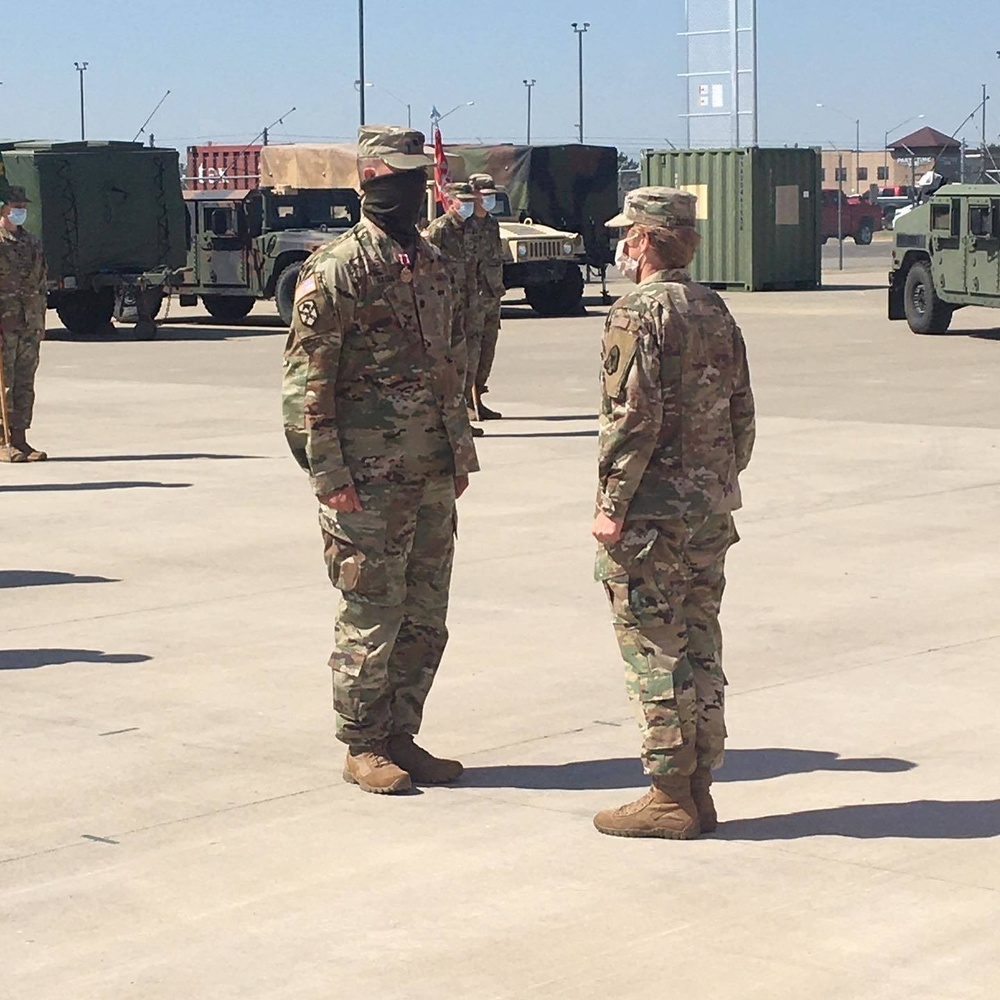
859	217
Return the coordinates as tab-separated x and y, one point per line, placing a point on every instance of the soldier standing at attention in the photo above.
676	429
488	250
450	234
22	321
374	412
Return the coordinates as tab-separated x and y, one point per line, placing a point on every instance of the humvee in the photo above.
250	245
946	255
545	262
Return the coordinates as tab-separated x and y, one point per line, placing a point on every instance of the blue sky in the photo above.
233	68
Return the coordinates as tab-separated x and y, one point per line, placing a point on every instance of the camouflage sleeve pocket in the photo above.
617	355
354	549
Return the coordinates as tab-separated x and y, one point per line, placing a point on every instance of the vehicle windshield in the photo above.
502	208
313	209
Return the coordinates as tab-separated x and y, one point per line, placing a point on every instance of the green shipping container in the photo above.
101	208
758	213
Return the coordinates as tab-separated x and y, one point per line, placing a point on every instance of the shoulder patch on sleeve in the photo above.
306	287
618	350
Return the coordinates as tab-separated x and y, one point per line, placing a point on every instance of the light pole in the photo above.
857	137
888	132
580	31
81	68
361	61
437	117
527	138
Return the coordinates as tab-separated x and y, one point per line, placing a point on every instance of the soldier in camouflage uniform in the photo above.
676	429
22	321
487	248
450	234
374	412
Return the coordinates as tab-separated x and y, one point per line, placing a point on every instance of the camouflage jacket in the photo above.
677	411
451	236
371	388
22	281
486	248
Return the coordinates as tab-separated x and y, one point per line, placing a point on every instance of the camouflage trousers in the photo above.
475	325
664	579
488	344
392	564
20	362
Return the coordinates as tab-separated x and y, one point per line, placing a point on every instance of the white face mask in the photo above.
18	216
628	267
489	202
465	209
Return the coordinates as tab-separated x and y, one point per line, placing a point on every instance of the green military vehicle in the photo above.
250	244
111	220
946	255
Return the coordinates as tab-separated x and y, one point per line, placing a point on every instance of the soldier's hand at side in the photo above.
345	501
461	485
607	530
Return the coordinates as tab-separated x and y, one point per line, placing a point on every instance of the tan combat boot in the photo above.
666	810
372	769
21	451
701	783
423	767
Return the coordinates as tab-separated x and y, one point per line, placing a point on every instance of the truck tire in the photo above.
284	291
925	312
228	308
557	298
86	313
866	230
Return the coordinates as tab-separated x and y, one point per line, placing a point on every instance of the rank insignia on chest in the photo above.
308	312
612	361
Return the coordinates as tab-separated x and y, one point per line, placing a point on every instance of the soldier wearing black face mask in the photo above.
374	407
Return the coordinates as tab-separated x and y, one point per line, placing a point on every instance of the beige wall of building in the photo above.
868	167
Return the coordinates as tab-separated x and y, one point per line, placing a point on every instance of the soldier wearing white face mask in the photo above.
450	233
22	323
487	247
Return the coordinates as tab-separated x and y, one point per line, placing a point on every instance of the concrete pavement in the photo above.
174	822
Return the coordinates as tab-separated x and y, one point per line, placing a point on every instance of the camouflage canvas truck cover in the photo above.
249	244
564	194
111	220
945	256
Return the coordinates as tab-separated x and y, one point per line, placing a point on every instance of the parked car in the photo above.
891	199
858	217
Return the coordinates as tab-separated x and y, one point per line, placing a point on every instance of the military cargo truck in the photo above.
946	255
111	220
543	260
246	245
558	196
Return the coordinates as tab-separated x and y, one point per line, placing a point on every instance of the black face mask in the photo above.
393	202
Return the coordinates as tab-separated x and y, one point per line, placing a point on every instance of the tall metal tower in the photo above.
721	72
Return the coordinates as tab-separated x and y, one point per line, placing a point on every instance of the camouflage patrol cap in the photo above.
659	207
460	190
16	195
483	184
402	148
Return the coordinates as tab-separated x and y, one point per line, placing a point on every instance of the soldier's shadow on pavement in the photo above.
926	819
181	328
626	772
167	457
32	659
77	487
541	434
12	579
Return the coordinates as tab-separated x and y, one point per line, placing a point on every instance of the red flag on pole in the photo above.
441	173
